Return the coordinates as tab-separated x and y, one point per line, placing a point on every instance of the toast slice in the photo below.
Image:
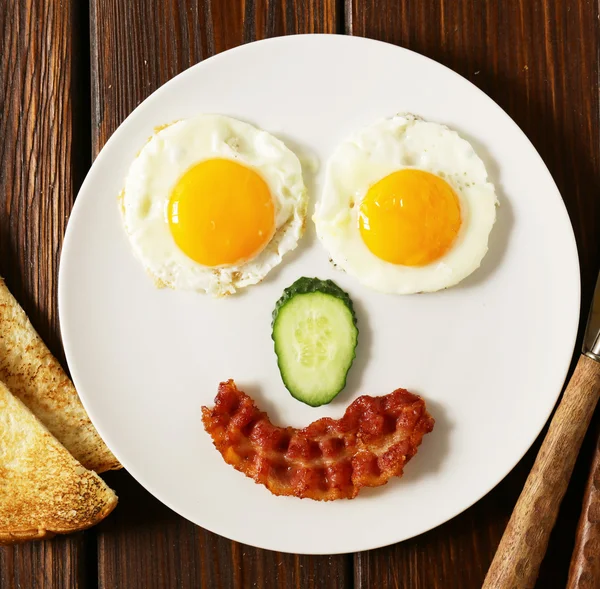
43	490
35	376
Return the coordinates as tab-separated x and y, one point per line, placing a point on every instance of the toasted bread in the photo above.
35	376
43	489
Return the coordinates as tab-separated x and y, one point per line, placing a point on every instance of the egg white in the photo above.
158	167
404	141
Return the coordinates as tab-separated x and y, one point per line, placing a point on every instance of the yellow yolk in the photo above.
221	213
410	217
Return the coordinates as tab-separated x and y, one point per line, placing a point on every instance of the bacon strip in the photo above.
330	459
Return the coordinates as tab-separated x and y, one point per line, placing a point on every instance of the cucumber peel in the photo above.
315	336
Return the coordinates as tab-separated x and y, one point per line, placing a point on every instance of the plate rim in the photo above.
301	38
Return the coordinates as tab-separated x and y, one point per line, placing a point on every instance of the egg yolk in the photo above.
410	217
221	213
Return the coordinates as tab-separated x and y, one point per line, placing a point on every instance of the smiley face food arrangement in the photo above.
212	204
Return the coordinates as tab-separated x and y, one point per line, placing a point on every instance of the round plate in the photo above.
489	355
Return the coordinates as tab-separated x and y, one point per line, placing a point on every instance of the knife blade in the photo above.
591	340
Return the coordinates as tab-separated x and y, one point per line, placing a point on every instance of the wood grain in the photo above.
538	60
136	47
40	106
139	45
584	571
523	545
49	564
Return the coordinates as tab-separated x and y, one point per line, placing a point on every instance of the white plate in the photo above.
489	355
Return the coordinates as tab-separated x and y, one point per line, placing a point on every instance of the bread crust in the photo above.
36	377
43	489
32	534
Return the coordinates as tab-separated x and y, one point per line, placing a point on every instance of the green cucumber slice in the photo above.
315	336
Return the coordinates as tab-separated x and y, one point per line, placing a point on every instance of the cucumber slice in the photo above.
315	336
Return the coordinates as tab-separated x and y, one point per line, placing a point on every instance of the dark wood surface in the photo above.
68	77
41	118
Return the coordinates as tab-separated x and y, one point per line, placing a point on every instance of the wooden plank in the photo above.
40	73
136	47
60	562
538	60
139	45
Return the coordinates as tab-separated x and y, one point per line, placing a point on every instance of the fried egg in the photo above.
406	206
212	204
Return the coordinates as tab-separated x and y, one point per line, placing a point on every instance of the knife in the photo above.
584	571
523	545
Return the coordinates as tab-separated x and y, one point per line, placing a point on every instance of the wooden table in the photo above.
69	76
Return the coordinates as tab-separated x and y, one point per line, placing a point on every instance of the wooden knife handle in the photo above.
525	539
584	572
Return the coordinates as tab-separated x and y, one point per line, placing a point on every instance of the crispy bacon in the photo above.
329	459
